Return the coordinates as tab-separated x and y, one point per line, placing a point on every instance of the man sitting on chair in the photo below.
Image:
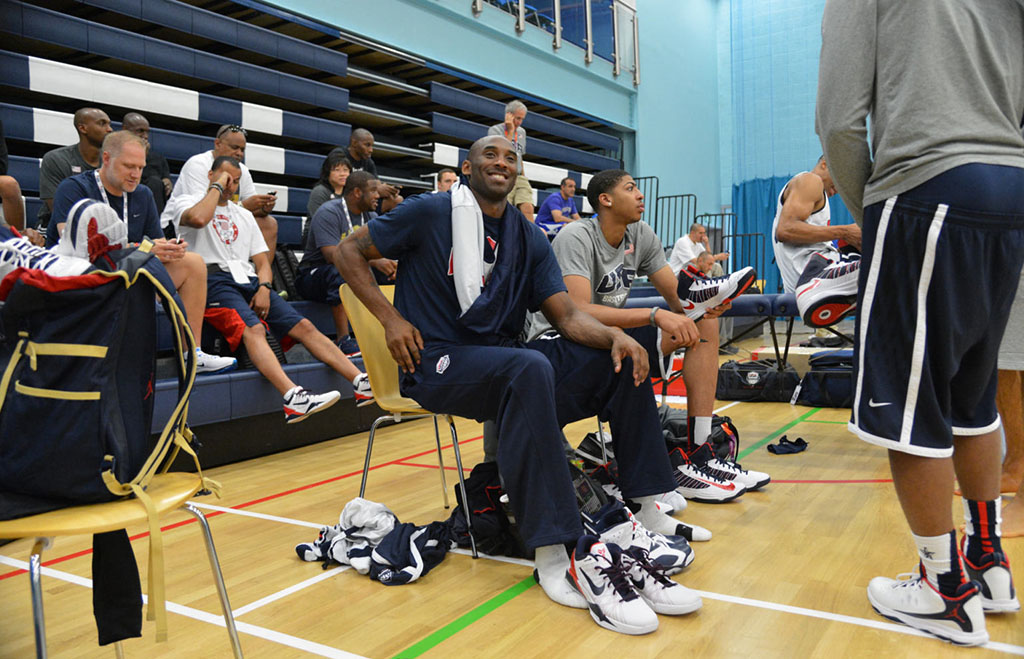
227	237
471	268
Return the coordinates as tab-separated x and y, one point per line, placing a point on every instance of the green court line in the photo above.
465	620
753	447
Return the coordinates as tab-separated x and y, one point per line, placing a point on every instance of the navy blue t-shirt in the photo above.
144	221
418	234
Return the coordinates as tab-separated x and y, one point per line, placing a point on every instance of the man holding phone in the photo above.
230	141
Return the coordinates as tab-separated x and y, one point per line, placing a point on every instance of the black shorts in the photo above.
936	287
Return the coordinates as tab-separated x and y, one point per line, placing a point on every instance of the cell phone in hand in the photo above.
272	193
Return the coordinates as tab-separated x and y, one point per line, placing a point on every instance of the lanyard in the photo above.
103	192
344	207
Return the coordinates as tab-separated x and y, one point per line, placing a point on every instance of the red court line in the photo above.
399	461
866	480
418	464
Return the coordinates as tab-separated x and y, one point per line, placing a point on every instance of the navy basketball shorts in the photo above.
231	299
320	284
935	288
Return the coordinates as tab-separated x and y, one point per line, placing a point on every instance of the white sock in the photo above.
552	565
935	554
701	429
291	392
652	518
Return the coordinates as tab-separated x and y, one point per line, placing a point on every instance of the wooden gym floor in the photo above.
784	575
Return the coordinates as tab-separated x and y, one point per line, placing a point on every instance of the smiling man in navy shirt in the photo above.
458	345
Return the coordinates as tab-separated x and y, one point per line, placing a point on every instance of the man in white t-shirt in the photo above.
690	246
240	299
192	181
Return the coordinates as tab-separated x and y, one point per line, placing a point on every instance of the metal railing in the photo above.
746	249
606	28
649	188
675	214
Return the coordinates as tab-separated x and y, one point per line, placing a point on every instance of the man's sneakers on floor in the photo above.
361	389
599	574
348	346
615	524
697	484
992	575
661	593
709	293
92	231
913	601
300	404
727	470
19	253
207	364
827	291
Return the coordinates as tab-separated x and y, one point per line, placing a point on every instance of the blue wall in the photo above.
674	111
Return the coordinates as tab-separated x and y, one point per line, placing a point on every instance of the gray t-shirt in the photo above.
329	225
58	164
318	196
581	249
943	81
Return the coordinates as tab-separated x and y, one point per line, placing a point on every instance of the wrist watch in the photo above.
267	285
654	311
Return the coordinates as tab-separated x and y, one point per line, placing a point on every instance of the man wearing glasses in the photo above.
193	181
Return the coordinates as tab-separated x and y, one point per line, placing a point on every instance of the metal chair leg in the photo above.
119	650
218	578
34	571
462	486
369	449
600	437
440	464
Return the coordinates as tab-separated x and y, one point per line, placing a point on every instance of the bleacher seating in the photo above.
189	70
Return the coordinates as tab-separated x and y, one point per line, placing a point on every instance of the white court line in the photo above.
249	513
836	617
727	406
681	400
500	559
212	618
273	597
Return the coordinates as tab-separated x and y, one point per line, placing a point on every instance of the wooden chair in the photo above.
383	372
167	491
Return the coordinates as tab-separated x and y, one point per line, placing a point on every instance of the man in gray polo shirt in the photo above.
92	125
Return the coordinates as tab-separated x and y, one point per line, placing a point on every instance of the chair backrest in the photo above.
382	369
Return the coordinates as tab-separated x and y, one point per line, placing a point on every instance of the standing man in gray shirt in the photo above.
512	129
940	195
92	125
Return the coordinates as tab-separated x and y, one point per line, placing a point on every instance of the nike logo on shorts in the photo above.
872	403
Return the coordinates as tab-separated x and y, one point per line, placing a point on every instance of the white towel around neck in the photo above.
467	246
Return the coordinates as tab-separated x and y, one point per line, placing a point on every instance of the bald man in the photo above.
157	174
360	152
92	125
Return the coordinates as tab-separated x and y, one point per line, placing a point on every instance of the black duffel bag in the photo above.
829	382
759	380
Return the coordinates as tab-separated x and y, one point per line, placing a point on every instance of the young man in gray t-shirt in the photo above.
600	257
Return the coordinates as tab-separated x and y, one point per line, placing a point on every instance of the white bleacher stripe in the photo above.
585	180
53	127
262	119
65	80
264	158
446	154
282	193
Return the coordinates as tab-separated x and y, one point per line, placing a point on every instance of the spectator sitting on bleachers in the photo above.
512	129
241	298
701	266
823	279
333	174
446	178
360	153
10	191
157	174
92	126
116	183
689	246
318	279
192	181
558	209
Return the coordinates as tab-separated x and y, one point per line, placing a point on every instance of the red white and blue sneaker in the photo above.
827	290
300	404
915	602
207	364
348	345
727	470
361	389
992	574
597	570
697	484
653	585
20	253
708	293
615	524
92	231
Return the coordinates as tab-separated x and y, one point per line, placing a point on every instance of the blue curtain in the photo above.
754	202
